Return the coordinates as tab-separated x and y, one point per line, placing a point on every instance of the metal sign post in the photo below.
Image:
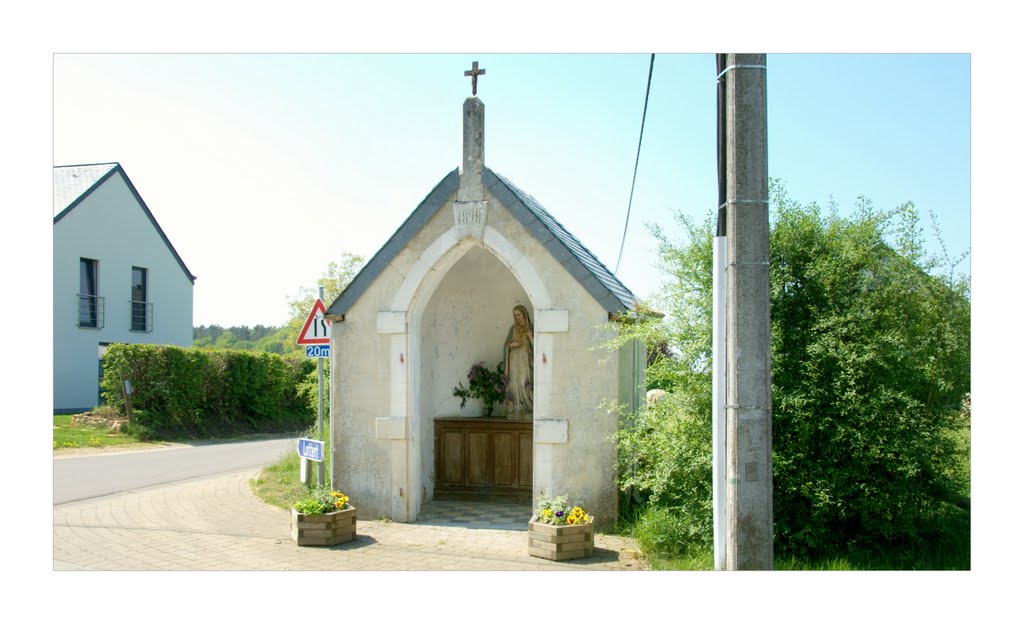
317	340
320	402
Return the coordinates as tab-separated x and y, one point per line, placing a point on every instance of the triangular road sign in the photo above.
316	329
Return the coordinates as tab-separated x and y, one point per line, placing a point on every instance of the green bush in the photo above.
870	365
667	533
870	374
307	388
190	392
666	461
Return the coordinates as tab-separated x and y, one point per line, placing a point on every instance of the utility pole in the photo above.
749	515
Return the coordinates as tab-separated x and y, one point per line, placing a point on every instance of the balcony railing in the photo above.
90	311
142	316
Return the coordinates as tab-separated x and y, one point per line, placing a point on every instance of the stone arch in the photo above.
435	261
404	322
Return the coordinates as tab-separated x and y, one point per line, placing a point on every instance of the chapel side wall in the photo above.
360	393
585	379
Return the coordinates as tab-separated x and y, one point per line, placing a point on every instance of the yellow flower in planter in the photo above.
323	518
340	500
559	530
556	510
321	500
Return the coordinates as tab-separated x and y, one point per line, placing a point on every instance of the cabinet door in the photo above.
506	448
525	467
478	458
453	465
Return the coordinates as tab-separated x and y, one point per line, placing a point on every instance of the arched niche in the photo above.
464	321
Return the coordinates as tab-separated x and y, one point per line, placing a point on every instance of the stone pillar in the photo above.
470	206
748	343
471	177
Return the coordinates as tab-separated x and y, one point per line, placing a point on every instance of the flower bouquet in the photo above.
491	387
323	517
560	530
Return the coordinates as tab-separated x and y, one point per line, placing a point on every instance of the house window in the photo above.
90	304
142	311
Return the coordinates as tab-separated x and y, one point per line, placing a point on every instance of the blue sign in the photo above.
318	351
311	449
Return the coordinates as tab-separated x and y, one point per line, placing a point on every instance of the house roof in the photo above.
580	262
73	183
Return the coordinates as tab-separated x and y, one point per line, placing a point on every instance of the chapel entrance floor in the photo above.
217	523
475	513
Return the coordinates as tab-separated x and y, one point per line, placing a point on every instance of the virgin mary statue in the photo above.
519	365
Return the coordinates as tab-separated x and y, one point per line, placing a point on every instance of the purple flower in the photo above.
558	514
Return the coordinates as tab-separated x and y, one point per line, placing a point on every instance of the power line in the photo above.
636	166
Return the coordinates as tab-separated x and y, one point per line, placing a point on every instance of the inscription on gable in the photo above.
470	218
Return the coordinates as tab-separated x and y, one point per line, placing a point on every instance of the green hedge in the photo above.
189	392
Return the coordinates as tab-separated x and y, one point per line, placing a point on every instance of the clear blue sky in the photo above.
263	168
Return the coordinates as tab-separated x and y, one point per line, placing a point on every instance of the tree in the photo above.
870	371
335	280
210	333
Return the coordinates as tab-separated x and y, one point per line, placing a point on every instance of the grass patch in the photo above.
834	564
665	539
278	483
697	561
67	435
669	544
97	434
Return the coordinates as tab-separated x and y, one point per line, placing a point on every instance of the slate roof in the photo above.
73	183
579	261
562	245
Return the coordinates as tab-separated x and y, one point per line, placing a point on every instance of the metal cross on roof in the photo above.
474	73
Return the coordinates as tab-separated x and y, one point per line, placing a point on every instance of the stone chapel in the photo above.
437	298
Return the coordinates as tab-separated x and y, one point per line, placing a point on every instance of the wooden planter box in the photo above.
561	542
324	529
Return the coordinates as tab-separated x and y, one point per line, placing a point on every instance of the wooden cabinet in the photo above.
483	456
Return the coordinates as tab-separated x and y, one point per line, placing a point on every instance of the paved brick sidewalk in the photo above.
216	523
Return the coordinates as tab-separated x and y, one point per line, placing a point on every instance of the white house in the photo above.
116	278
438	297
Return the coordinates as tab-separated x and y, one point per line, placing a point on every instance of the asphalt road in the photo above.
91	476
